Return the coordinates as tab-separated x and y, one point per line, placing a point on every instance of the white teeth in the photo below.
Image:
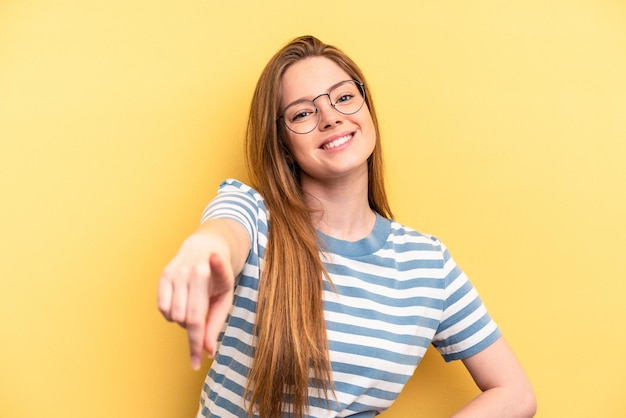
337	142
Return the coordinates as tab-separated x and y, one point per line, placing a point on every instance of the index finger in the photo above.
221	292
197	308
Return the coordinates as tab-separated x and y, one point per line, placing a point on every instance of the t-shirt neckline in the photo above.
368	245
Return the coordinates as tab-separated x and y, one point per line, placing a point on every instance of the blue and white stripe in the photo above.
392	295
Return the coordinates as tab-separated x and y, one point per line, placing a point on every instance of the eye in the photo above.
300	113
344	93
346	97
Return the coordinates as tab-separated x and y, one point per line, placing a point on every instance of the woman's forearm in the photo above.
506	390
500	403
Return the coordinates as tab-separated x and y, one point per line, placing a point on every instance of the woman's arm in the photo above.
506	390
196	288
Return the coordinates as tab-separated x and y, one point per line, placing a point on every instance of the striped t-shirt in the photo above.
393	293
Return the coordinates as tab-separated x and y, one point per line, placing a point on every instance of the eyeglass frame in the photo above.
317	110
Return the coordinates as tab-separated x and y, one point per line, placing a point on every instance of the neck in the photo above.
341	207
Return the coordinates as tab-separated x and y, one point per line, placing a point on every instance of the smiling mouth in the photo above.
337	142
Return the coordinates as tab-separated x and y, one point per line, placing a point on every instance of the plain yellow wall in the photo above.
504	126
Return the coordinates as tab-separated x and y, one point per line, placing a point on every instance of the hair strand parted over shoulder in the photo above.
292	344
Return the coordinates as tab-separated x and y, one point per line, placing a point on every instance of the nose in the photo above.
328	115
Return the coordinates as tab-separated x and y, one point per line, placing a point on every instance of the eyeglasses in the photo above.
303	116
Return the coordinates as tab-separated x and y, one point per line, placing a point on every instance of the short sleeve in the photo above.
238	202
466	327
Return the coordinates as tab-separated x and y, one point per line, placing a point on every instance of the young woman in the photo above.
310	298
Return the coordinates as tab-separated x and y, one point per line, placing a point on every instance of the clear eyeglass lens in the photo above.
302	117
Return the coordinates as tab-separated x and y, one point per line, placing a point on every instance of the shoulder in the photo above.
235	192
232	185
402	234
239	201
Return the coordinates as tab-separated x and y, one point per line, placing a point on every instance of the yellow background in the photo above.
504	127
